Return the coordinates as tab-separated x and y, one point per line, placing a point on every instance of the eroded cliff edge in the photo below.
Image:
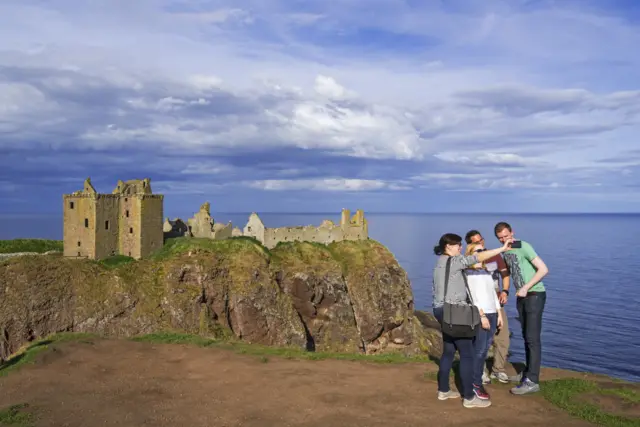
350	296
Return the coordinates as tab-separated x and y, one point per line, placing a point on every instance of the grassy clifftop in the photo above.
30	245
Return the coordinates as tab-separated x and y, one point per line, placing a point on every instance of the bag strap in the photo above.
466	285
447	271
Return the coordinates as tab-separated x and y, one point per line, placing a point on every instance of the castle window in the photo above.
78	253
130	230
144	184
86	223
126	200
70	205
78	243
129	253
106	225
127	214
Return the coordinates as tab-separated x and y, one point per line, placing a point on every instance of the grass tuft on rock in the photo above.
571	394
30	245
116	261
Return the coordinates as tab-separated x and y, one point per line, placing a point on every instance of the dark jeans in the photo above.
449	346
484	339
530	310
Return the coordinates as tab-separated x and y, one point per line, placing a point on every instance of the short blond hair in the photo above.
470	251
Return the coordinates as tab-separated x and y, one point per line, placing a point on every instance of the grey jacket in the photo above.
457	290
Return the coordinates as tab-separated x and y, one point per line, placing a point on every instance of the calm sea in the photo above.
591	322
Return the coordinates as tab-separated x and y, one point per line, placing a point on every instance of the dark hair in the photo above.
446	239
501	226
470	234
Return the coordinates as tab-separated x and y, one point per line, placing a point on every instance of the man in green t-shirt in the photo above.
526	270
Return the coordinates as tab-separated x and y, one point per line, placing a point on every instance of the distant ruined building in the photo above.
129	222
126	222
355	228
201	226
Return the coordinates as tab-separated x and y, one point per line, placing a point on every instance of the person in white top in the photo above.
485	298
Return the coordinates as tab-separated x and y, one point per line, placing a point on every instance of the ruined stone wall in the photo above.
79	218
255	228
324	235
130	225
106	225
152	237
222	232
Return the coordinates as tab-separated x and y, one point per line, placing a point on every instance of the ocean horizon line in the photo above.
214	213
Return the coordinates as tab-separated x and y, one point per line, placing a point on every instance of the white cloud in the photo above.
325	184
485	159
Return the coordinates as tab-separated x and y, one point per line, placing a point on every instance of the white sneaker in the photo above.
476	403
500	376
448	395
486	379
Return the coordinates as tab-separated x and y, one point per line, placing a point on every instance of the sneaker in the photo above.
525	387
500	376
476	403
480	392
486	379
442	395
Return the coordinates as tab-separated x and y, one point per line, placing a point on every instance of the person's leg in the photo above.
484	338
446	363
465	347
522	316
534	307
501	349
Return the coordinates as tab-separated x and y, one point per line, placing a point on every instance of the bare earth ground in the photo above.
124	383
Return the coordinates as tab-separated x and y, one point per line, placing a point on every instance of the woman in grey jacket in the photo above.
450	246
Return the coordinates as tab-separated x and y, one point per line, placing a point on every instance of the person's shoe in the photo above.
448	395
500	376
486	379
476	403
525	387
480	392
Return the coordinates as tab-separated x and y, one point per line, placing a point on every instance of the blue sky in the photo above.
292	106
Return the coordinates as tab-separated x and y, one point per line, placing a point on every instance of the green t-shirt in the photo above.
521	270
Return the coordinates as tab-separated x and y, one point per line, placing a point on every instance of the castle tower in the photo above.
90	223
141	212
128	221
345	219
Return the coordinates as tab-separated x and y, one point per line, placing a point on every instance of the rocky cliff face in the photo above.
348	296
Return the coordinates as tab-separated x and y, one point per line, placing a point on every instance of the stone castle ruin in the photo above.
201	225
350	228
129	222
126	222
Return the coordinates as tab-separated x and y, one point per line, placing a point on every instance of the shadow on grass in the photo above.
455	372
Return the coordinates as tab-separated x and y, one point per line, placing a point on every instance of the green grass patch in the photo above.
28	354
15	416
180	245
264	352
116	261
30	245
567	393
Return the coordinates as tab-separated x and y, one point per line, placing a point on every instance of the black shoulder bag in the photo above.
459	320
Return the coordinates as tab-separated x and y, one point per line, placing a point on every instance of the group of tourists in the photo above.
470	290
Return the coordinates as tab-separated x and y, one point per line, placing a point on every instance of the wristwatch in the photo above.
505	291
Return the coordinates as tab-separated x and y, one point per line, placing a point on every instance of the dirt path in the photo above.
125	383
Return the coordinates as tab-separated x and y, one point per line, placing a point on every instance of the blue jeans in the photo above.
484	339
465	347
530	309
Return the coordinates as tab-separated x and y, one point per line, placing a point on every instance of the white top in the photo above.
483	291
